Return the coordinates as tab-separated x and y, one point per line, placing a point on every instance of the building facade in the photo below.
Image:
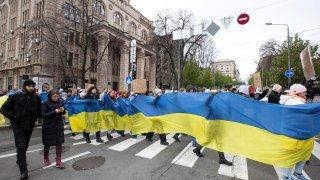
226	67
50	41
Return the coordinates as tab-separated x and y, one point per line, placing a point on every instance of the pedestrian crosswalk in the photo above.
185	157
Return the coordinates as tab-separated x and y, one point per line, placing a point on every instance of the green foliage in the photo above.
280	63
191	73
198	77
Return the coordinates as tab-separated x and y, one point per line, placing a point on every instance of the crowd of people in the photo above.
23	109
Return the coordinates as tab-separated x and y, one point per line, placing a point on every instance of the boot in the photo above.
59	163
99	137
165	143
46	160
24	175
197	151
223	160
121	133
109	137
87	137
175	137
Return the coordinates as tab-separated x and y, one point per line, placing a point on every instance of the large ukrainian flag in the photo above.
274	134
3	99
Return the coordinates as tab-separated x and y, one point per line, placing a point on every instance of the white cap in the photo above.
297	89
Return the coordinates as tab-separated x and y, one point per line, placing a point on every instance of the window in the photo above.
117	18
66	10
144	35
25	1
77	38
71	37
76	60
4	28
72	13
133	28
98	7
4	12
13	6
13	23
25	16
66	34
40	9
70	59
93	65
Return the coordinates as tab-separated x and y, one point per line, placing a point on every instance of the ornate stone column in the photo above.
152	73
141	64
124	67
104	69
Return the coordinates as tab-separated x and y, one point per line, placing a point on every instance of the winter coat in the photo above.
52	126
291	100
274	97
22	109
92	96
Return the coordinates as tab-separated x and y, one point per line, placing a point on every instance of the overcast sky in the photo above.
241	42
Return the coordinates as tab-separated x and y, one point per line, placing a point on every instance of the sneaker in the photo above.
133	139
298	176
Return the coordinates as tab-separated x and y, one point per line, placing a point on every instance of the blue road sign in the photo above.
128	79
289	73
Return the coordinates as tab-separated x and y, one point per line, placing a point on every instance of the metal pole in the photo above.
289	64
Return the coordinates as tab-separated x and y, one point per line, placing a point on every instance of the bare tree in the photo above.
270	48
82	20
205	53
167	22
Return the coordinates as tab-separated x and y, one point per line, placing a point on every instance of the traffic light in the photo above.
134	74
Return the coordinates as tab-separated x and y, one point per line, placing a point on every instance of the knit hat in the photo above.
297	89
158	92
277	87
29	82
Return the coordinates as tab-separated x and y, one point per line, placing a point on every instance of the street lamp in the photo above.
289	66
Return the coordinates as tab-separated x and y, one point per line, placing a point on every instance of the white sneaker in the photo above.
133	139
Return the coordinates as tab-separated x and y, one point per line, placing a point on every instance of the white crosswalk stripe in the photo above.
126	144
239	169
186	157
155	148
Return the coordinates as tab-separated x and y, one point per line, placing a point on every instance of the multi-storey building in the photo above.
226	67
28	48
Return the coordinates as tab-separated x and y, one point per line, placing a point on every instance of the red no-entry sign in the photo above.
243	19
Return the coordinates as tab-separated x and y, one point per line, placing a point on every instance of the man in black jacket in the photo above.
23	109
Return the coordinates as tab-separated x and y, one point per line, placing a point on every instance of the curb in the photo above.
5	126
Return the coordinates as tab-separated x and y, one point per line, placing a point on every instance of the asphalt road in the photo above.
142	160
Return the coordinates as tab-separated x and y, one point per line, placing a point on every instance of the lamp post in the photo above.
288	39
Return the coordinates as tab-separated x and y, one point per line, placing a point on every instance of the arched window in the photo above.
4	12
13	6
144	35
133	28
117	18
98	7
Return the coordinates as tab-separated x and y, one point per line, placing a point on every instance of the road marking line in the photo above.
13	154
279	172
316	150
186	157
67	132
155	148
68	159
126	144
94	141
239	169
